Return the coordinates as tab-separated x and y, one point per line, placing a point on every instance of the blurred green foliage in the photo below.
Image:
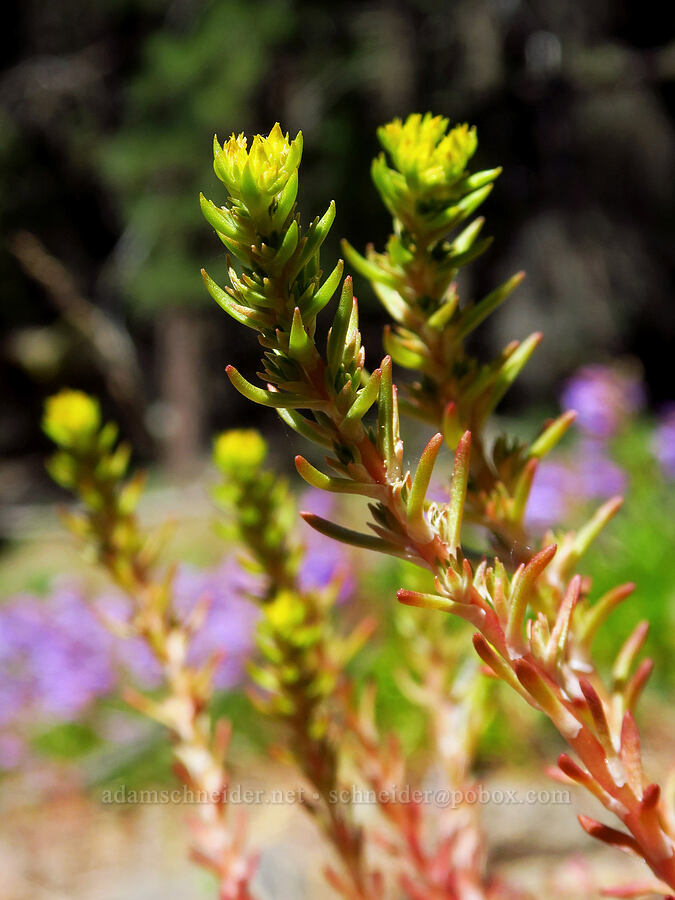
189	82
639	547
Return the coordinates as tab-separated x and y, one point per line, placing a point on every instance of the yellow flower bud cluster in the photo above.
425	152
71	418
239	450
261	172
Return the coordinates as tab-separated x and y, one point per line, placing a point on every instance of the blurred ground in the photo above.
65	845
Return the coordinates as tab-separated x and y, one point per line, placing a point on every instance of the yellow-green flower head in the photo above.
239	450
425	152
71	417
264	170
285	612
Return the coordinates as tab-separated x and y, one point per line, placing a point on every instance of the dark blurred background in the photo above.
107	112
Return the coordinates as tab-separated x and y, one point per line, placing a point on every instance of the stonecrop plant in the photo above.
90	463
299	676
534	614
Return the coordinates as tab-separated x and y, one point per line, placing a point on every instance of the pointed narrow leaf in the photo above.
338	331
300	345
347	536
599	612
477	313
626	657
287	199
307	429
466	238
458	486
249	317
364	400
524	583
323	295
288	246
552	434
426	601
392	301
420	484
522	492
607	835
385	415
317	479
586	535
218	218
444	313
512	368
366	267
274	399
316	235
478	179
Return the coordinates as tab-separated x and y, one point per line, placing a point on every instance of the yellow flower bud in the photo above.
285	612
257	175
71	417
239	450
425	152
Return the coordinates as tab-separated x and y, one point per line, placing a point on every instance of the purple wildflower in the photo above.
57	657
560	486
604	397
230	622
325	560
54	657
598	475
664	441
554	486
12	751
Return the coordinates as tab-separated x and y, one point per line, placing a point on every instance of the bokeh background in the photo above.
107	113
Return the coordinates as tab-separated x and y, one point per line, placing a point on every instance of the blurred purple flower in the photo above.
560	486
664	441
12	751
230	622
54	656
57	657
603	397
598	475
325	560
554	485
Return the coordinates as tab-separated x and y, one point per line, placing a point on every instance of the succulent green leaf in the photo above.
458	487
365	267
274	399
385	414
324	294
512	367
586	535
477	313
250	317
522	490
364	400
309	430
354	538
466	238
524	584
392	301
453	215
420	483
300	345
288	246
316	235
286	199
317	479
338	331
218	218
551	435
